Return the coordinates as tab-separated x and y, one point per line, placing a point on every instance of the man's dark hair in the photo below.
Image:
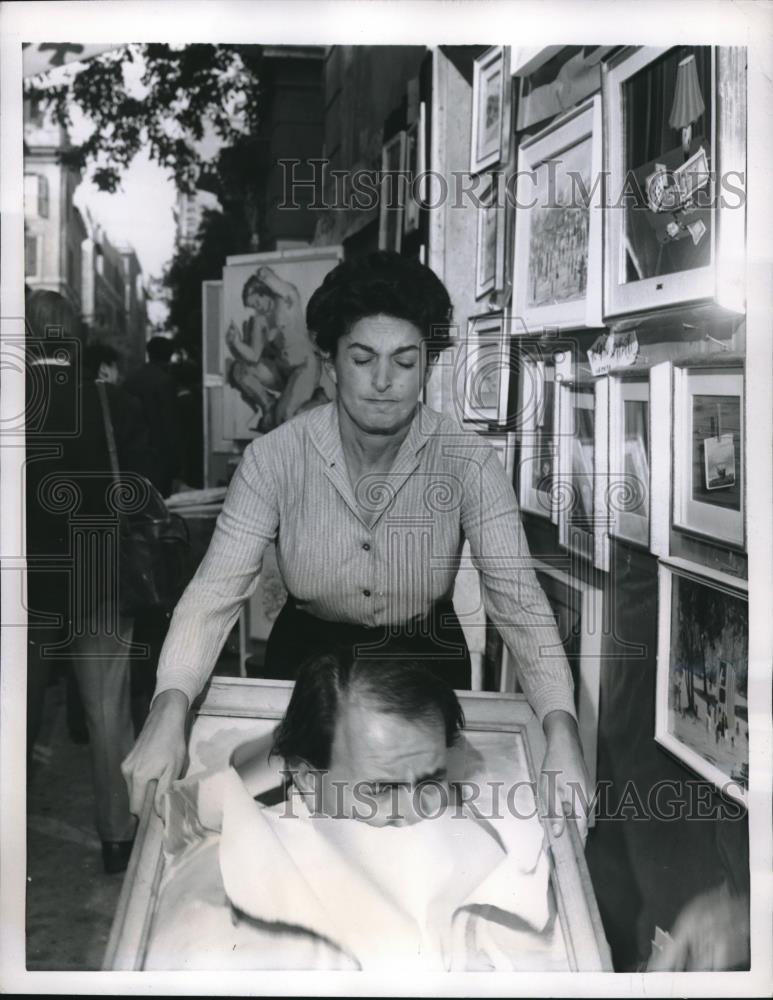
255	284
380	283
160	349
400	686
96	354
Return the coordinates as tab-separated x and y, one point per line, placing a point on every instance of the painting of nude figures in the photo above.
271	368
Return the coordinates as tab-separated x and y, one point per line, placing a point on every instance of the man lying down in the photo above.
370	861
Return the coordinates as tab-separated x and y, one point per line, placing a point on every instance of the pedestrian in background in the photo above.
72	592
155	387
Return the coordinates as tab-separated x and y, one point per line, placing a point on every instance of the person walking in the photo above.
72	593
155	387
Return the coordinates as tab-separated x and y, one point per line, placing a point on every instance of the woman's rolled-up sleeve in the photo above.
514	600
225	578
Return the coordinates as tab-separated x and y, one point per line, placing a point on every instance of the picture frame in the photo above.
484	367
583	515
392	196
628	493
578	606
293	273
557	264
490	247
504	445
491	109
672	238
213	381
416	168
538	419
701	706
661	456
709	454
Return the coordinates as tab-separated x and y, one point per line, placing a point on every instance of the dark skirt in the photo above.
436	642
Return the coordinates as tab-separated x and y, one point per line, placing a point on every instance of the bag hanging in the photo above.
154	544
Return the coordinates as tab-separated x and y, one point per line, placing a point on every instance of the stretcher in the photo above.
238	714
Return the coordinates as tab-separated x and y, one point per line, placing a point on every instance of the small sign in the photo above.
611	351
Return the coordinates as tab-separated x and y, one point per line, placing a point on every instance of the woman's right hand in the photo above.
159	752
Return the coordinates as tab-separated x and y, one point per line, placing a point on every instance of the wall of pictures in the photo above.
618	326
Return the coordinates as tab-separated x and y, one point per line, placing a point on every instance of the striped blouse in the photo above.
381	553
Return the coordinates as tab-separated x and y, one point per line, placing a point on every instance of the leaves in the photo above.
156	97
172	101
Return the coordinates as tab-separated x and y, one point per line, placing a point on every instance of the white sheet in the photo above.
313	892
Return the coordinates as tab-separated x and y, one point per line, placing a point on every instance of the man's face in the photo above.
379	371
108	373
384	769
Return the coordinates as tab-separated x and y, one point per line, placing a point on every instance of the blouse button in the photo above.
366	546
366	593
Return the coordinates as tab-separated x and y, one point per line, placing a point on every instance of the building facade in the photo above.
73	255
54	228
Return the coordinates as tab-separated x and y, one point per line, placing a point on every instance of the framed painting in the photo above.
676	124
392	195
709	486
628	492
491	109
557	279
416	168
264	303
490	253
701	702
211	327
484	367
583	515
537	414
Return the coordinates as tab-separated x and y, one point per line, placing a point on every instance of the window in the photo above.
30	256
30	193
36	200
43	197
34	112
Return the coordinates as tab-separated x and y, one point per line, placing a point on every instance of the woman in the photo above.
369	500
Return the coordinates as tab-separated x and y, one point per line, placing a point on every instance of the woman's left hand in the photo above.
564	777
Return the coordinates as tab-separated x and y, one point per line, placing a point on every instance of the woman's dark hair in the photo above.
255	284
395	685
381	283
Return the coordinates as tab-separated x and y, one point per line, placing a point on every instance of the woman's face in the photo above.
259	301
379	371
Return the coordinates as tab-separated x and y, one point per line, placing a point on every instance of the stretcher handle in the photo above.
133	914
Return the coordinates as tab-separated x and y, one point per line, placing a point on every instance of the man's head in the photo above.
101	362
160	350
52	326
369	738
